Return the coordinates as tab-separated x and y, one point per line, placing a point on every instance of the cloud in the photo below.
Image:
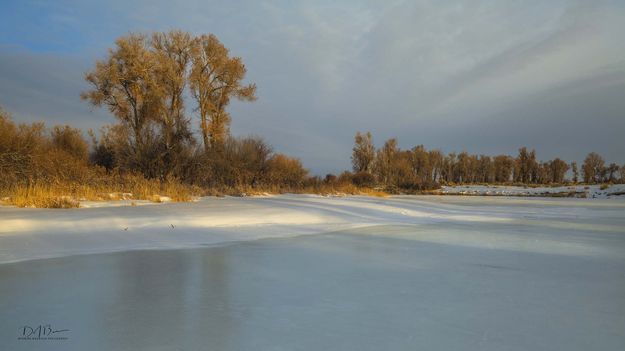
43	87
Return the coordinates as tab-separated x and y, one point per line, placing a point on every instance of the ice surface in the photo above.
403	287
44	233
399	273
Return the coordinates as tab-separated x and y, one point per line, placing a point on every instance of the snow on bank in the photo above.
588	191
42	233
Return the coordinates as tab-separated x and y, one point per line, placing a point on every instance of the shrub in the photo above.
330	178
285	171
363	179
70	140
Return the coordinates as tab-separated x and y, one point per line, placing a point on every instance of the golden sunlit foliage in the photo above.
418	169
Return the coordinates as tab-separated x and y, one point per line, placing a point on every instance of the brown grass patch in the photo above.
41	196
69	195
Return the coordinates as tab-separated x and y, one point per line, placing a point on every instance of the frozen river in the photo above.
538	275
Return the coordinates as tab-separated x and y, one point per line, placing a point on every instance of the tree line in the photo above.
420	169
154	84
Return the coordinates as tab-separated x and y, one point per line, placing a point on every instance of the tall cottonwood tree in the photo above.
363	152
125	83
172	52
215	79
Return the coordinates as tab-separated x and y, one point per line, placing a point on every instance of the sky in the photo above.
485	77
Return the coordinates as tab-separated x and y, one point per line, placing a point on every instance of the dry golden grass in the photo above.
69	195
373	192
41	196
134	187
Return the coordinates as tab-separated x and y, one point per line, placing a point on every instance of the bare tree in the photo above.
173	55
436	162
420	162
363	152
384	161
593	168
215	79
526	167
503	166
558	169
612	170
125	82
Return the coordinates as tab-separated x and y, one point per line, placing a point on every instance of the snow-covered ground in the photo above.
588	191
42	233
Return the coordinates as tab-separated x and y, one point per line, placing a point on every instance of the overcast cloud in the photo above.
481	76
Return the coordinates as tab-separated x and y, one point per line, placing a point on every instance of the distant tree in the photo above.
503	167
526	166
542	173
448	166
575	172
622	173
384	161
593	168
532	166
436	162
420	162
558	169
612	171
363	153
215	79
485	169
402	172
462	169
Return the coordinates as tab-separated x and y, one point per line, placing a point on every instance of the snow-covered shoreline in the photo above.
585	191
27	234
